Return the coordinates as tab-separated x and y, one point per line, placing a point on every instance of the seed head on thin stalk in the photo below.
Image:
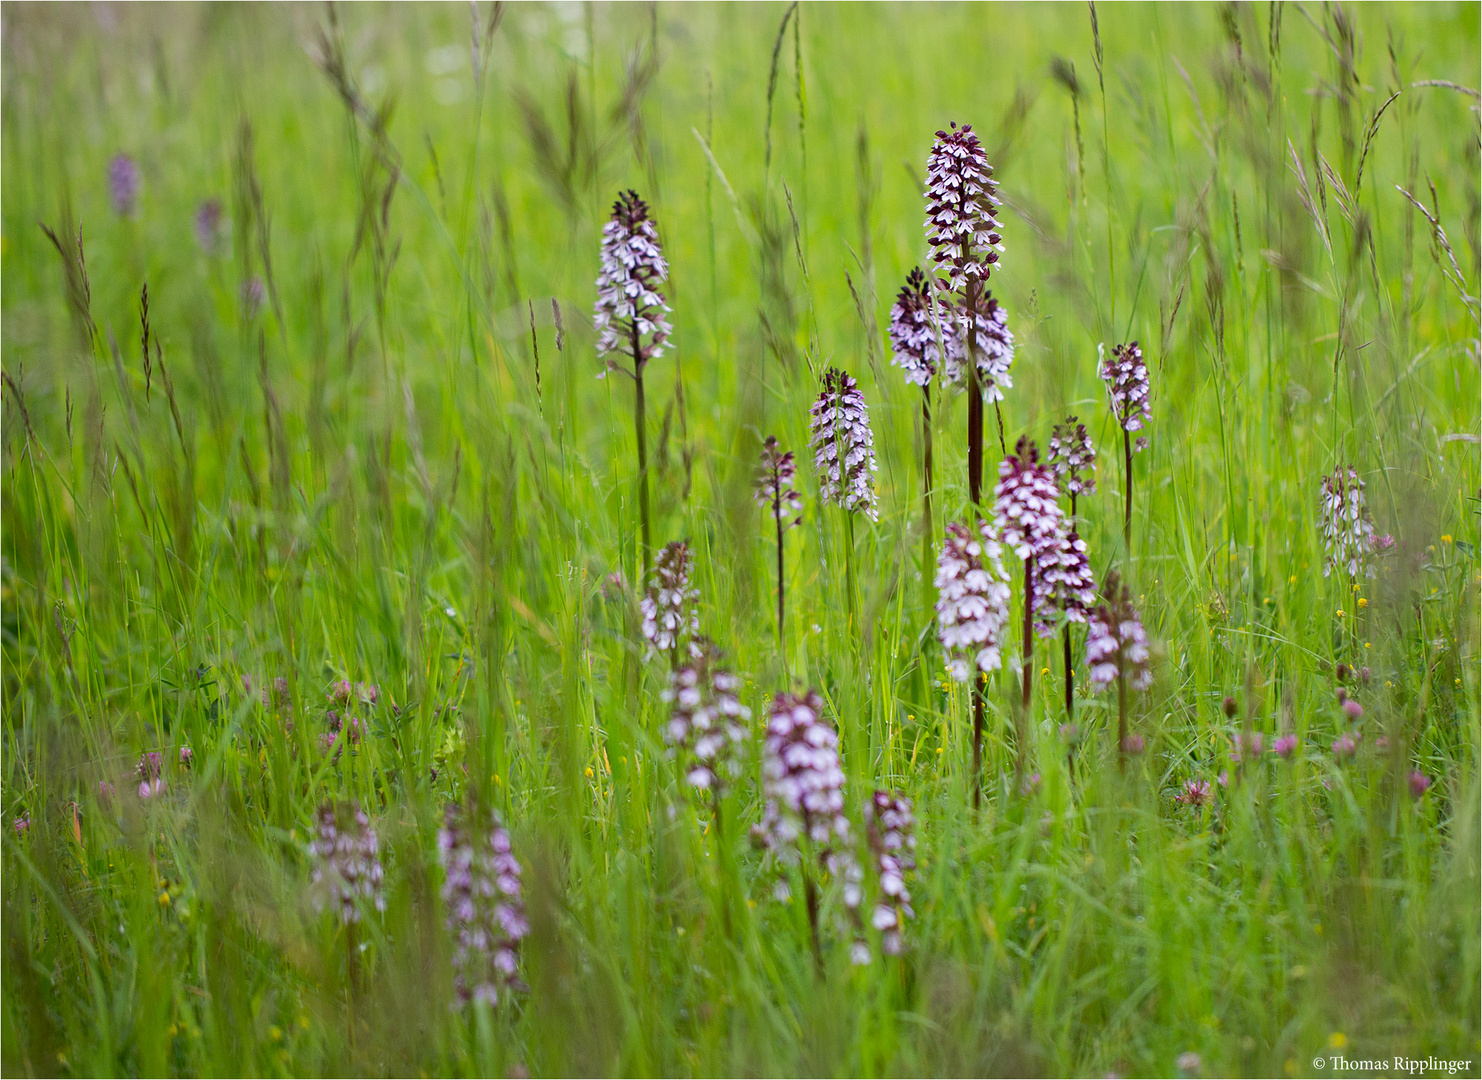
670	608
1117	650
631	318
1349	539
890	829
843	445
485	911
707	722
347	863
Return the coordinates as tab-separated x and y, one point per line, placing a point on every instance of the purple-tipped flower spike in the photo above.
1116	644
843	445
916	331
670	610
123	184
972	600
1064	585
1073	458
1347	532
1419	783
1126	378
801	778
347	863
961	201
774	491
1026	506
891	831
208	223
1285	746
707	722
485	912
630	316
1195	793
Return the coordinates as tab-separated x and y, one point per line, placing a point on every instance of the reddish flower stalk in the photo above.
774	492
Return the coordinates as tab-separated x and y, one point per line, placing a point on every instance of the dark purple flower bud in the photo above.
123	185
208	226
843	445
631	311
1341	671
1073	457
1419	783
347	863
1116	643
670	609
1126	378
1347	532
707	722
961	209
774	482
485	909
972	600
1230	706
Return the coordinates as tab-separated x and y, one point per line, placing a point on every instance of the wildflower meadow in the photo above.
740	539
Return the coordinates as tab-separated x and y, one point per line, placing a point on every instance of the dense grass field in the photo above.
363	438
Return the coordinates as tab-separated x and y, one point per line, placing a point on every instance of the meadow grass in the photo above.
358	446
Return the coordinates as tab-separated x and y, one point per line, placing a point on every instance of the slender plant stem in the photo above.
1069	679
810	895
1028	680
980	695
926	522
849	565
640	427
722	864
352	976
975	492
1127	489
781	608
1121	717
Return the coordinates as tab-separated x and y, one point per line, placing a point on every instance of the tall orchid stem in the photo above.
1127	489
980	695
352	976
926	522
1121	717
1028	680
849	564
722	865
1069	679
810	896
781	607
640	427
975	492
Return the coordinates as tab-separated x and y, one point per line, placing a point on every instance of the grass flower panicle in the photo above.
485	910
631	312
890	830
707	722
961	208
347	861
972	599
670	608
843	445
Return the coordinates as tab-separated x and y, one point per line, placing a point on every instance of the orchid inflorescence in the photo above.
1349	538
670	608
1116	644
1072	457
1126	378
485	911
891	831
962	200
774	491
347	862
921	329
843	445
972	599
707	722
631	312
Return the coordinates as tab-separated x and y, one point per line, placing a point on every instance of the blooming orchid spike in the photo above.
993	343
670	609
774	480
801	779
1348	534
1026	508
1116	644
919	324
891	831
485	911
631	311
1064	585
1126	378
972	600
347	863
1073	457
961	209
843	445
707	722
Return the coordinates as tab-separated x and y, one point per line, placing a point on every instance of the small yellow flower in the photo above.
1044	671
1446	538
939	749
1366	644
275	1032
1340	613
1337	1040
589	772
1292	580
1363	601
164	898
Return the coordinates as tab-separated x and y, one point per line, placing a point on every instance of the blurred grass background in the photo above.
355	457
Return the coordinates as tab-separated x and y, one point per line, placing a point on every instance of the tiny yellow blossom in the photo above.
164	897
1363	601
1292	580
1446	538
1337	1040
1340	613
589	772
